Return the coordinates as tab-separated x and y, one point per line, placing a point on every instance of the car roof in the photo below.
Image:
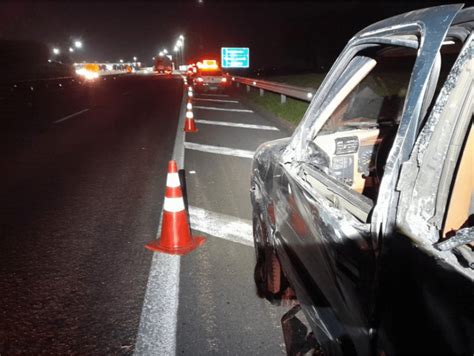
428	18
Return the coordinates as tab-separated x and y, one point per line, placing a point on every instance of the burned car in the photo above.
364	217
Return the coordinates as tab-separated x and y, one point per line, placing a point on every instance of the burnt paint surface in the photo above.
330	267
416	304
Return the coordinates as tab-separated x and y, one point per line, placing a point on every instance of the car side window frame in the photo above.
338	194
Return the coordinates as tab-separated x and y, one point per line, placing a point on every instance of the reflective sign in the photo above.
235	57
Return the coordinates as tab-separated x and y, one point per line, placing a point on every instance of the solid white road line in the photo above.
219	150
70	116
220	109
237	124
222	226
159	318
217	100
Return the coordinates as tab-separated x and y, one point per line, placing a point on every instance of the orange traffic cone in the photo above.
189	124
175	236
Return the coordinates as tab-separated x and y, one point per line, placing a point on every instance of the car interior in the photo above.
353	144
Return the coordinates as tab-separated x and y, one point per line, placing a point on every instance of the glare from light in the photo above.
56	51
134	59
190	94
181	37
78	44
189	114
121	61
161	54
87	74
71	49
309	95
176	49
165	51
189	106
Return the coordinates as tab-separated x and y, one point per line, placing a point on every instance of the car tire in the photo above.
270	281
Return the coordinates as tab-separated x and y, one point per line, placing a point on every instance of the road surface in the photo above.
82	192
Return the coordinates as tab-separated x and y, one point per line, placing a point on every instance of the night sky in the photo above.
292	34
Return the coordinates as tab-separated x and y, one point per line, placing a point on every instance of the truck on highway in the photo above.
163	65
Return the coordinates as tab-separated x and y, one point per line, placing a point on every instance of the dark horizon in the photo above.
278	33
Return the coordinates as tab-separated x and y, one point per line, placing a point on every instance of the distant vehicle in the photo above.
365	215
209	77
163	65
191	72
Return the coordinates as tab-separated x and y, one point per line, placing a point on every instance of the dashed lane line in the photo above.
219	150
222	226
70	116
221	109
237	124
217	100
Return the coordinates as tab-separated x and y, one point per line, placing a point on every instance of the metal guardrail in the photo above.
285	90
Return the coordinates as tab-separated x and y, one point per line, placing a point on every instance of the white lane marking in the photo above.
217	100
219	95
159	318
237	124
221	109
222	226
219	150
70	116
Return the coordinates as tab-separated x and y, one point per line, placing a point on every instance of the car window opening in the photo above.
353	144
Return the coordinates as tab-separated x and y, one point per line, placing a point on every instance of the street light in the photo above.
121	61
78	44
134	59
56	51
165	51
71	49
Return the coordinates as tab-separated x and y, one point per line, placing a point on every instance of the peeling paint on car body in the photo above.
342	263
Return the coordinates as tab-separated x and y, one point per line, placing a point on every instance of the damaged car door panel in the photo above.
365	214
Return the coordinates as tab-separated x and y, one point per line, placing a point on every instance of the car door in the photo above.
341	159
427	276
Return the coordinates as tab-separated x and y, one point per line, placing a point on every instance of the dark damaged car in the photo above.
364	218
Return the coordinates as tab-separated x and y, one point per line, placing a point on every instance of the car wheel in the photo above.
270	281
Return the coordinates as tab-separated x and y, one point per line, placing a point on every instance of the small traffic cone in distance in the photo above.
175	238
189	124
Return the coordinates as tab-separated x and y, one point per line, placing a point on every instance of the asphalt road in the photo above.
80	198
82	190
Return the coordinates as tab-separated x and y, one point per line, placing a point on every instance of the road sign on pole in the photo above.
235	57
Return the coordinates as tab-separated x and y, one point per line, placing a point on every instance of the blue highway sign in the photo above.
235	57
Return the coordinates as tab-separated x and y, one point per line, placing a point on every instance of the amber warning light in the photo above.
208	64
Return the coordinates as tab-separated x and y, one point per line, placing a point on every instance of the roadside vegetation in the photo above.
293	110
